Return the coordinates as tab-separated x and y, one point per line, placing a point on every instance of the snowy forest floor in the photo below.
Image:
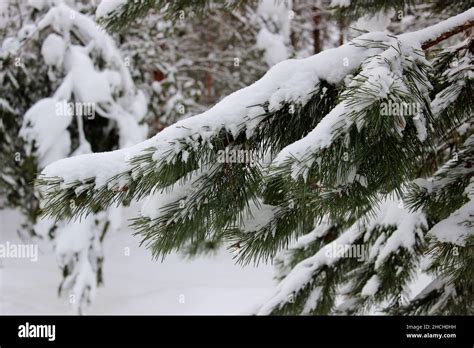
134	284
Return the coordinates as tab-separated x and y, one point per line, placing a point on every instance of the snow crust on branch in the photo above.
290	81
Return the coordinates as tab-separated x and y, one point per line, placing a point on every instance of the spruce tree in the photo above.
366	147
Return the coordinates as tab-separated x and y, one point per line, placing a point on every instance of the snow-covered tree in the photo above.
367	146
66	91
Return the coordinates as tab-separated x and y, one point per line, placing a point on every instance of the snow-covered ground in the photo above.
134	284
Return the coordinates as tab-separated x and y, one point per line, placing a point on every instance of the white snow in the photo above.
457	77
409	225
312	300
273	45
376	22
74	238
449	172
134	284
88	84
274	35
26	31
64	19
48	130
10	45
420	124
282	83
371	287
441	283
53	50
85	83
459	226
302	273
107	6
340	3
388	214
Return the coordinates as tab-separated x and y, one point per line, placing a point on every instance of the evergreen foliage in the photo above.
332	169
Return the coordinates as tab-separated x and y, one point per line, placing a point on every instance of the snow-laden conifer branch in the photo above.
403	230
111	177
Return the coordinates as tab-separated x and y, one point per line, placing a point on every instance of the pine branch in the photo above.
446	35
193	125
359	8
390	240
442	30
174	10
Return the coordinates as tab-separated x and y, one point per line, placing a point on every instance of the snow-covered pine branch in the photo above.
400	229
449	194
325	153
390	73
291	82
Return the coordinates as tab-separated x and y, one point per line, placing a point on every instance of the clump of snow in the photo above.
74	238
73	245
10	45
458	226
340	3
277	12
409	227
53	50
108	6
376	22
138	106
47	130
285	257
26	31
371	287
273	46
88	85
274	35
319	231
312	300
420	124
